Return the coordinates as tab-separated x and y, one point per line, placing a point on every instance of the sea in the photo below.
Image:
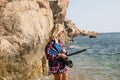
101	60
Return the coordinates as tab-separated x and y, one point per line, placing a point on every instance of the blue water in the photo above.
101	61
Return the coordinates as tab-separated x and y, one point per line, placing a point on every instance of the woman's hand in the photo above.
64	51
63	55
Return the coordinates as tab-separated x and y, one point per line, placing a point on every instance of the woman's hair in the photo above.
56	30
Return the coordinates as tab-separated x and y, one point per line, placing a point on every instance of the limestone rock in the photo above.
24	29
59	8
25	26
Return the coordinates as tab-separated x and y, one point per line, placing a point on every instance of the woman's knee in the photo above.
65	76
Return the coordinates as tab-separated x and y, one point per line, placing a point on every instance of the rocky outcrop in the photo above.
59	8
73	30
25	26
24	29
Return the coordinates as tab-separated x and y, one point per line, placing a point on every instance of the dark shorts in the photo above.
58	67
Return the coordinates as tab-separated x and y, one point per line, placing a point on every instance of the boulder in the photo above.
24	31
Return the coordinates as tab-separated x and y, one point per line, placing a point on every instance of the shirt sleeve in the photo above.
50	56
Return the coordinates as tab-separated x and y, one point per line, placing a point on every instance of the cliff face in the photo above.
59	8
24	30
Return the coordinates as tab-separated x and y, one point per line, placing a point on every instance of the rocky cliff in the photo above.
25	26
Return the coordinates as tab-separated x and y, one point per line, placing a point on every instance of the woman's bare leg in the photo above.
58	76
64	76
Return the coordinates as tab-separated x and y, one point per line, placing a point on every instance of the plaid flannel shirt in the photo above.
55	66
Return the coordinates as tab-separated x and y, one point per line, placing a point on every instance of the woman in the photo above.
55	50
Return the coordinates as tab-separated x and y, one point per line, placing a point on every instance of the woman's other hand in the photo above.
64	51
64	56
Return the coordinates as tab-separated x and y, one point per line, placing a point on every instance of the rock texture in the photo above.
25	26
59	8
24	29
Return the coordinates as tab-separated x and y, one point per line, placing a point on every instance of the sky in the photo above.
95	15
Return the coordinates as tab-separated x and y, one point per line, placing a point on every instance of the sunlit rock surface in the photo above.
24	29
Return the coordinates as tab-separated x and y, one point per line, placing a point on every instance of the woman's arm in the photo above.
51	56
